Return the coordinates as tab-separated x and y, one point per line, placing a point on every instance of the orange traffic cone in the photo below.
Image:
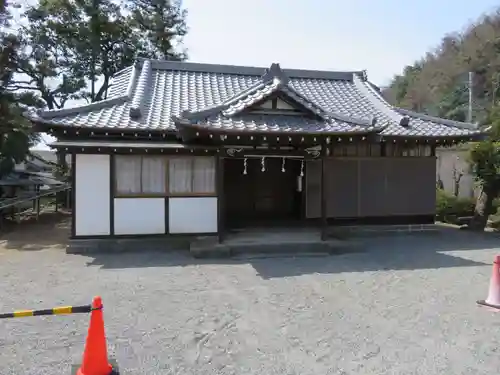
493	299
95	355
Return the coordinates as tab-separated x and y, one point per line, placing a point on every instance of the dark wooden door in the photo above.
261	195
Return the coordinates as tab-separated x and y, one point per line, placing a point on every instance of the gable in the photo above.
276	103
279	105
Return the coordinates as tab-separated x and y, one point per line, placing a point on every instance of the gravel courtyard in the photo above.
405	306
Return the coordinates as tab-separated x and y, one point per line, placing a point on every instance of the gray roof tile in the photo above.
152	94
280	123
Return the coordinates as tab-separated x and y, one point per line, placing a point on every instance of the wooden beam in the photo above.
324	223
73	195
112	184
220	197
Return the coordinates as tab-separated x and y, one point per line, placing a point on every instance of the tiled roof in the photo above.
280	123
161	95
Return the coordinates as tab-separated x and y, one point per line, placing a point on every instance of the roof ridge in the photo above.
447	122
247	70
140	90
376	99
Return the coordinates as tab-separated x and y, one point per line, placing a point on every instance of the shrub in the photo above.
450	207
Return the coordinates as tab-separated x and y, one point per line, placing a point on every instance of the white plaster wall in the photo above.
192	215
92	185
449	160
139	215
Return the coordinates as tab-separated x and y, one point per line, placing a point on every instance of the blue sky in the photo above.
381	36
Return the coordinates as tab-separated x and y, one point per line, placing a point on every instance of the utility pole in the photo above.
495	83
469	112
469	119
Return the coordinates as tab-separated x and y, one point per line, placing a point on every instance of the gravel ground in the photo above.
406	306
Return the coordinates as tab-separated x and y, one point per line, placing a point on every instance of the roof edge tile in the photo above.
353	120
182	123
376	99
53	113
439	120
49	114
252	97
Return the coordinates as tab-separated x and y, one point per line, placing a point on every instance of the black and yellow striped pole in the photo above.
54	311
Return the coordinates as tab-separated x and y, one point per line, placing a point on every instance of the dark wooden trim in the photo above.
379	220
324	222
167	216
73	195
134	236
166	195
447	139
273	98
62	131
303	193
235	152
167	151
199	134
220	199
382	220
112	183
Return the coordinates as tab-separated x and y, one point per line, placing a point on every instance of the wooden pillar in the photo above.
68	200
34	200
220	197
73	195
324	222
112	184
37	203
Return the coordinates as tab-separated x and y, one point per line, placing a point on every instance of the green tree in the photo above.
15	132
484	159
453	105
163	23
75	47
437	83
70	45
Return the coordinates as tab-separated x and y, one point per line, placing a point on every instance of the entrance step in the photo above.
291	248
120	245
382	230
262	246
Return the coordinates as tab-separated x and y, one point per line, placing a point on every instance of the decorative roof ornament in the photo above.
405	121
275	72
